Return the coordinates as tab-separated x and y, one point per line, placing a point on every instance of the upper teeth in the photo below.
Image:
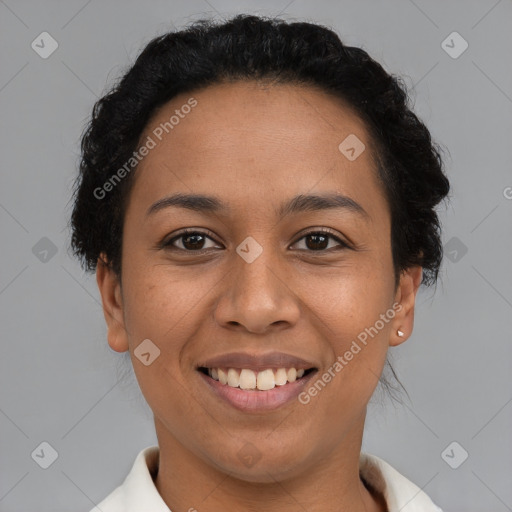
248	379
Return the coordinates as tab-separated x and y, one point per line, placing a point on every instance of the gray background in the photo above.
59	380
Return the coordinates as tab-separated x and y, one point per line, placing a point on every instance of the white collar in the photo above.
138	491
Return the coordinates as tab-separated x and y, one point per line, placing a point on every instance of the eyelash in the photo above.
169	244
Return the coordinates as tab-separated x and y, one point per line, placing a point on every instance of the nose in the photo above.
258	296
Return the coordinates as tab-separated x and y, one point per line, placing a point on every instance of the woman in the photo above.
258	203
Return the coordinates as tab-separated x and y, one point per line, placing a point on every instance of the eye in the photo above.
318	241
191	241
194	241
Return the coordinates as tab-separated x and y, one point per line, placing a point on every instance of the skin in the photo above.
254	146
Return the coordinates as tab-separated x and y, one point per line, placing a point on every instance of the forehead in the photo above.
253	143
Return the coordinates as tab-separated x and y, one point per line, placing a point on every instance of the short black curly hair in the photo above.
249	47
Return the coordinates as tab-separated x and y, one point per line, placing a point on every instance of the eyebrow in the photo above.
301	203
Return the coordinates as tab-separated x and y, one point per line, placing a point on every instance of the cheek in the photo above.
158	298
349	298
352	312
161	311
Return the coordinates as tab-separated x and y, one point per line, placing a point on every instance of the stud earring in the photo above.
400	333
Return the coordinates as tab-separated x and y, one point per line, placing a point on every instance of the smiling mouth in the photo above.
247	379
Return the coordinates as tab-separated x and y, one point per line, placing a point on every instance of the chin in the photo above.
253	466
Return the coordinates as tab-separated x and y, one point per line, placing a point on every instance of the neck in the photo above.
187	481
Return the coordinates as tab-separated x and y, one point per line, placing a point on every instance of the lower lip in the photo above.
257	401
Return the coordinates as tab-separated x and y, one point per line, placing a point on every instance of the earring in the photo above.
400	333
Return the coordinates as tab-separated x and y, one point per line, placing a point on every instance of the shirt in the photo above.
138	492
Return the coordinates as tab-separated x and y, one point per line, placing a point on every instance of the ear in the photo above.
410	281
111	296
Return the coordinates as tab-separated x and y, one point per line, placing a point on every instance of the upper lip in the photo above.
257	362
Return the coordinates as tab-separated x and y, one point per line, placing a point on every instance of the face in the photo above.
261	281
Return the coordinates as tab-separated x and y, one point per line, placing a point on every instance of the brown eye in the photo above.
190	241
319	241
196	241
